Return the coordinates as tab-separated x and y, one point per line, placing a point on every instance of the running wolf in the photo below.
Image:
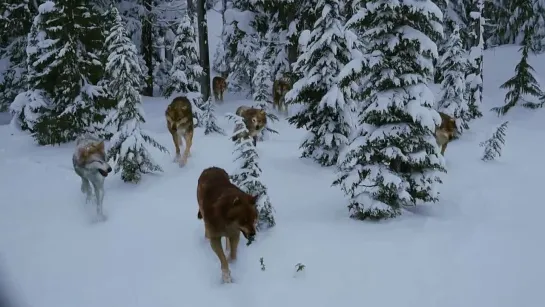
90	164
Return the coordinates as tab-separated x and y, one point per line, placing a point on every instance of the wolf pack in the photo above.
225	209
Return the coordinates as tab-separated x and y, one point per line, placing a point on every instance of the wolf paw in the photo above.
99	218
226	277
177	159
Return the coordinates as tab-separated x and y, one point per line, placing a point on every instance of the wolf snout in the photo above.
109	169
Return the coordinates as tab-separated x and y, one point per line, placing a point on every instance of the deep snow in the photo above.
481	245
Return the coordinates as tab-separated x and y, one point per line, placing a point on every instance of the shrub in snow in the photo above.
248	173
393	160
63	72
209	119
262	92
523	88
130	143
493	146
453	97
185	72
326	104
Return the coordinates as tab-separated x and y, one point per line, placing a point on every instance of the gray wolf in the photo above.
219	85
445	132
226	211
255	121
179	116
280	88
89	161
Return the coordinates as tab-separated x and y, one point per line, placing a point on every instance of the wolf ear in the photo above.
254	199
262	112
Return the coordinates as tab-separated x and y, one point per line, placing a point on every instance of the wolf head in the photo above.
90	154
244	214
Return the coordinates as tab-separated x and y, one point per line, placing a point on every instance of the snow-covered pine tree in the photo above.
15	21
243	44
474	78
209	119
262	91
248	173
130	144
493	146
326	104
63	67
186	70
220	62
453	98
394	159
524	88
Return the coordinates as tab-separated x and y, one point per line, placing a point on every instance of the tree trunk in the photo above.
223	8
147	45
203	48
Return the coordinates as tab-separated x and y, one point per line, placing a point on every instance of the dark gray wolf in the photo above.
90	164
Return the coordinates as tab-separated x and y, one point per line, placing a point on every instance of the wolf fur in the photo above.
445	132
280	88
226	211
89	161
179	115
255	120
219	85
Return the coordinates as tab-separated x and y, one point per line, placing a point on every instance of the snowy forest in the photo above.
360	74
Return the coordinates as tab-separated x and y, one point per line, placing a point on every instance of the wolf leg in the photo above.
176	140
99	195
188	137
233	240
215	243
443	148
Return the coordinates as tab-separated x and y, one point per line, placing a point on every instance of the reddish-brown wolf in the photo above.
226	211
219	85
180	124
445	132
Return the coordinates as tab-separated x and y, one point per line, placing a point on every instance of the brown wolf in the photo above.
226	211
254	119
445	132
280	88
219	85
180	124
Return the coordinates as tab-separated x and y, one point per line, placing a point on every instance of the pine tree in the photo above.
393	160
64	68
243	43
262	92
220	62
15	22
248	173
209	118
326	104
474	78
523	87
493	146
186	70
131	144
453	98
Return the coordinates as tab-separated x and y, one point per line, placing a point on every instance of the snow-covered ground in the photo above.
481	245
